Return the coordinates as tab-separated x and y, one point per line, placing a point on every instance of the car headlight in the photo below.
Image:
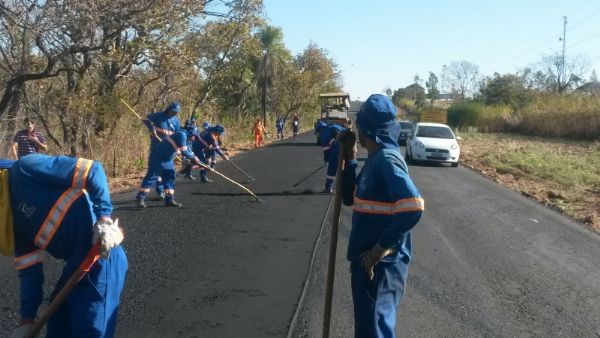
454	146
420	144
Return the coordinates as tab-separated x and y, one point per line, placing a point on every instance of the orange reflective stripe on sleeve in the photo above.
59	209
25	261
388	208
81	172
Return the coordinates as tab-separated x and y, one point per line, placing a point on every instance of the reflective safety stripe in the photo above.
384	208
164	131
330	177
25	261
81	172
62	205
326	148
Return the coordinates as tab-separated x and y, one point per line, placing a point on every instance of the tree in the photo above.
272	47
463	77
432	89
563	74
508	89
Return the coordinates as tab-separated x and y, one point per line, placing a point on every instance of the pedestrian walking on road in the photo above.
279	124
295	124
386	206
61	205
259	133
28	141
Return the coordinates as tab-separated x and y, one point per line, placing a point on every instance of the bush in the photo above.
464	114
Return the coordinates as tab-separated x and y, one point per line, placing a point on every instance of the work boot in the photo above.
328	191
190	177
161	196
172	203
206	180
141	204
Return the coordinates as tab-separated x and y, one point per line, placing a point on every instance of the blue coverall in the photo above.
164	125
161	164
279	124
205	145
332	155
55	202
386	206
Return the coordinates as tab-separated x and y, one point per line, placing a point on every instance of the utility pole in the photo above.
564	40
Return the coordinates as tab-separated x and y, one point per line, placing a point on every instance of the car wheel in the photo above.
454	164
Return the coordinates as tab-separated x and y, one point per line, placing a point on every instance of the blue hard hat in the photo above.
174	107
217	129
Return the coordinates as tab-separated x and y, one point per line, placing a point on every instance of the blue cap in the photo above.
377	121
205	124
174	107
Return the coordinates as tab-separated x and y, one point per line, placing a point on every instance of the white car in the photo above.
433	142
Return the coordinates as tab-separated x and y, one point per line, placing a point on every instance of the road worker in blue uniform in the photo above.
295	124
332	156
279	124
323	130
61	205
386	206
202	145
161	124
161	165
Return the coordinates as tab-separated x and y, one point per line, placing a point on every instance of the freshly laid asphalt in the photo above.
487	261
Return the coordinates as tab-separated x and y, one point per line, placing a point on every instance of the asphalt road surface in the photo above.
487	261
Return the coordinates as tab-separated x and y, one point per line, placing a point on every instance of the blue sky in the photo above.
381	43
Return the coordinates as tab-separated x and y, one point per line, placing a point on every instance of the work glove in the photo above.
370	258
23	330
107	235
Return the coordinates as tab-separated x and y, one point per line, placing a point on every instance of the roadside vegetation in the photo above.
564	174
68	64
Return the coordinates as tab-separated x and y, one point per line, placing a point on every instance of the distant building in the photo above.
590	88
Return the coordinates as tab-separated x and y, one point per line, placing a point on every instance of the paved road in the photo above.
223	266
487	262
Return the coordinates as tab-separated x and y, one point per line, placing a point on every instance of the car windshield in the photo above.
435	132
405	125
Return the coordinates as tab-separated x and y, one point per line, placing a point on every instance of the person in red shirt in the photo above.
28	141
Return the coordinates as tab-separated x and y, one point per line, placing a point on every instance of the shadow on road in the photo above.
428	164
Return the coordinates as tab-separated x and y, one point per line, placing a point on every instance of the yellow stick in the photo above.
230	180
139	117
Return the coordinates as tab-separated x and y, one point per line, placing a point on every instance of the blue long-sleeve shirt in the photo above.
64	229
204	142
162	124
386	204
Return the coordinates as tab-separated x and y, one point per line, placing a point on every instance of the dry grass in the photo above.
559	173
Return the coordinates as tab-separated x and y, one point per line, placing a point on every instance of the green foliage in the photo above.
432	89
414	92
464	114
508	89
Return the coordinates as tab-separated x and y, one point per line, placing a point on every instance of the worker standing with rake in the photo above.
386	206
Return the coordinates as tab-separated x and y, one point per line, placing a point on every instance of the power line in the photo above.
584	40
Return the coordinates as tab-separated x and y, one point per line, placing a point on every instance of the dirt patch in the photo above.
491	155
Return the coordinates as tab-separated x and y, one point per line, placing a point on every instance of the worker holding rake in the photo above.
61	205
386	206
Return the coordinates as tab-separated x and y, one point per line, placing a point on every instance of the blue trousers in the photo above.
376	301
332	165
91	308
